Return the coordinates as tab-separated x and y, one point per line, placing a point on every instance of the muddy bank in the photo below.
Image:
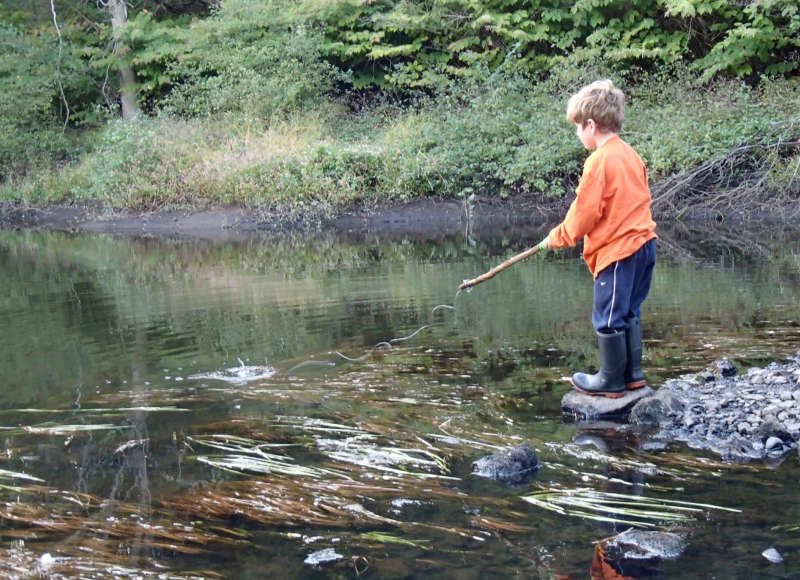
427	217
519	217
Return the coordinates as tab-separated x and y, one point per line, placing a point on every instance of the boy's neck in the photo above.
601	138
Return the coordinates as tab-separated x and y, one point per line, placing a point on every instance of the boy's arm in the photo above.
583	214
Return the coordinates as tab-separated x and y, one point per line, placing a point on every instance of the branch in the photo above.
58	62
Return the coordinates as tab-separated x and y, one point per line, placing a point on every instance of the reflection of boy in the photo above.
611	212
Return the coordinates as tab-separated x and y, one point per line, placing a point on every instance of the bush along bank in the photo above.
498	134
749	416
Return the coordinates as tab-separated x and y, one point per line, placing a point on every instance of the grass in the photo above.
500	135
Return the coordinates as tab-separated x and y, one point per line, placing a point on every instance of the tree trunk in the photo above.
119	16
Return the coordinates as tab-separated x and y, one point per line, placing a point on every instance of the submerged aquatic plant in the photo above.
248	456
384	538
68	429
365	452
5	474
618	508
275	464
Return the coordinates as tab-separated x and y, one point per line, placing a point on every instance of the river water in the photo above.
185	408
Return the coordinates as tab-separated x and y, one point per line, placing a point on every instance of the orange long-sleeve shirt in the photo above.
611	210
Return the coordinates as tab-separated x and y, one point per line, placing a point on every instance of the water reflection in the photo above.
232	408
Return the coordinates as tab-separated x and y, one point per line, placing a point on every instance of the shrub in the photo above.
30	131
255	57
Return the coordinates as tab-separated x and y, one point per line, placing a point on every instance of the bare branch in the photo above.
58	63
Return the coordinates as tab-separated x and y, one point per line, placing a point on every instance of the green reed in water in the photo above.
618	508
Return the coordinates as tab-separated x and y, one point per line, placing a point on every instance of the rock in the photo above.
740	417
512	467
644	545
588	407
724	368
663	407
772	427
773	442
586	439
320	557
46	561
772	555
704	377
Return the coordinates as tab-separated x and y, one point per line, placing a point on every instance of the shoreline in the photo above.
423	217
431	217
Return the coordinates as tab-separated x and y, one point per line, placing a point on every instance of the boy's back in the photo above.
612	207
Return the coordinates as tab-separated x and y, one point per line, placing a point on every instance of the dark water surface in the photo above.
198	409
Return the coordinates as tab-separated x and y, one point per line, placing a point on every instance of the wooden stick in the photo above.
497	269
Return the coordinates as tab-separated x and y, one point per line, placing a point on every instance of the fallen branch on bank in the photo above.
735	182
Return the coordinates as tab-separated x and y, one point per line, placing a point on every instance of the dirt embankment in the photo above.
427	217
519	217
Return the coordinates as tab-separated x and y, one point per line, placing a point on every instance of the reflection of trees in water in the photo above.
725	243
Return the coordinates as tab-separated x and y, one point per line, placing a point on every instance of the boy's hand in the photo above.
544	245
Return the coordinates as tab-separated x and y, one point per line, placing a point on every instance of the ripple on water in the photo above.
240	375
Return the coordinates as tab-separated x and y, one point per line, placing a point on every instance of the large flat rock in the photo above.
589	407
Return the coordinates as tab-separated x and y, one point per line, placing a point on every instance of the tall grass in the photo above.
499	134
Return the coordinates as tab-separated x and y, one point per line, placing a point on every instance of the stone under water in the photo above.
515	466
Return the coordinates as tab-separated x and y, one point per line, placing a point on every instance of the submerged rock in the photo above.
644	545
587	407
320	557
635	554
512	467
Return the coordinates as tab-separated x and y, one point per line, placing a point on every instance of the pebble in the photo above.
46	561
326	556
753	415
773	442
772	555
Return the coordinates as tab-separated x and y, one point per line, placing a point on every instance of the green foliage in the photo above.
497	131
423	44
251	56
676	124
765	37
152	46
32	110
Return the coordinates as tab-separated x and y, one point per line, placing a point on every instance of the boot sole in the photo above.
596	394
634	386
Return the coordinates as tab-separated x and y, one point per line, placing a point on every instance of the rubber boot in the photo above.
609	381
634	377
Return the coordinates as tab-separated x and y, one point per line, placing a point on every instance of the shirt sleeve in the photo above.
585	211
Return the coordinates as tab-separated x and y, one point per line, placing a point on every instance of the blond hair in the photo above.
600	101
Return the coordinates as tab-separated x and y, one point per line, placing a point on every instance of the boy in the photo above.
611	212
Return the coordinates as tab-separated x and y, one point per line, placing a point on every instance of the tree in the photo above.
119	17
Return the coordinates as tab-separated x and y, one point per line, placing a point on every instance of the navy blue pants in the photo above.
620	289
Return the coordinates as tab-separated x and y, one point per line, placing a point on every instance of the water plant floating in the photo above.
634	510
